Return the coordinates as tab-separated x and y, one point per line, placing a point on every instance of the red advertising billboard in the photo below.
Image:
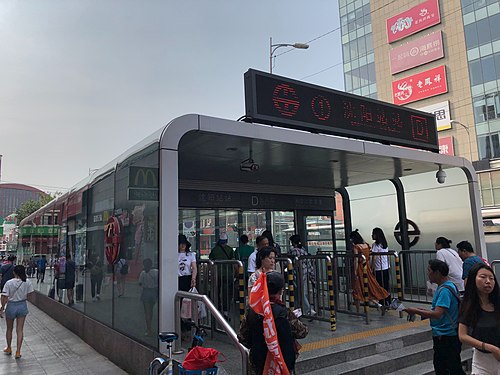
413	20
419	86
446	146
416	52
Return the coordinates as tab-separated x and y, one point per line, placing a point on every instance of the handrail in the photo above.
218	316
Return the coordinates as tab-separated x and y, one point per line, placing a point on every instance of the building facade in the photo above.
12	196
438	56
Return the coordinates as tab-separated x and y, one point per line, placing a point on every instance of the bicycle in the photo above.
162	366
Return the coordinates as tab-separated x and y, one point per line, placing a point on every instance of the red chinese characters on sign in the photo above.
446	146
419	86
413	20
417	52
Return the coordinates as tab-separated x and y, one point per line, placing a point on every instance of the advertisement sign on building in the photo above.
446	146
413	20
419	86
417	52
442	113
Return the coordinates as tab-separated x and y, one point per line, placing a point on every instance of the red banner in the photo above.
446	146
419	86
259	302
417	52
413	20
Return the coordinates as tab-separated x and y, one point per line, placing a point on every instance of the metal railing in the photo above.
414	274
285	266
495	264
216	315
315	289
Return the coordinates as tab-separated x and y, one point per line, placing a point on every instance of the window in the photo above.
471	35
489	146
494	29
476	75
488	67
483	31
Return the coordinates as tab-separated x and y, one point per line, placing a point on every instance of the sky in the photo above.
81	81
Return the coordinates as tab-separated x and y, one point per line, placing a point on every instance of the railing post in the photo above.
291	289
241	291
365	287
399	285
333	317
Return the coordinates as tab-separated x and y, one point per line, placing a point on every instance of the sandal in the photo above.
8	351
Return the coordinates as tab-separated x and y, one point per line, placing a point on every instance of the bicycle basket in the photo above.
208	371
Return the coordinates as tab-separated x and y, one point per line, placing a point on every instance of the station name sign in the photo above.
279	101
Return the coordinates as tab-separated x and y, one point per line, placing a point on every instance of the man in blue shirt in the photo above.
444	320
466	253
41	266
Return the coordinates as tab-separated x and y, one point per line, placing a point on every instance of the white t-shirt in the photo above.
380	262
252	259
17	290
185	260
455	264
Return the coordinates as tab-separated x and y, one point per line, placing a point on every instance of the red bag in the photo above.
200	358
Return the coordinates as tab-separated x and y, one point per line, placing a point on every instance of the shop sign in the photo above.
446	146
419	86
417	52
41	230
442	113
413	20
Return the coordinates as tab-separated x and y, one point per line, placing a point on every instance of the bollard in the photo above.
241	291
365	288
398	280
333	317
291	291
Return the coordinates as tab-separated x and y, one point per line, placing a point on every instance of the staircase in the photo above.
404	352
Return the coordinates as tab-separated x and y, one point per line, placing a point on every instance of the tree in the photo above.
28	207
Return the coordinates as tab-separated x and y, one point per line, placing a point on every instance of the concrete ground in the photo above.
51	349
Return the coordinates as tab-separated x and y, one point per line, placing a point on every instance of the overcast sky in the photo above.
83	80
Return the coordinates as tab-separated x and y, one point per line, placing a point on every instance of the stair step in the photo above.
380	363
360	350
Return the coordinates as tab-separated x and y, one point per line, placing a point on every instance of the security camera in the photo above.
441	175
249	166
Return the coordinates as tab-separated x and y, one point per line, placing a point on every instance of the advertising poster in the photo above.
419	86
413	20
446	146
442	112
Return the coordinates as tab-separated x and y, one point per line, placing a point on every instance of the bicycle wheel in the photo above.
156	366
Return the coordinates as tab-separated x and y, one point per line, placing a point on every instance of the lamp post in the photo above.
274	47
468	135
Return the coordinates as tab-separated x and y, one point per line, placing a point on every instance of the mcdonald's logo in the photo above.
142	177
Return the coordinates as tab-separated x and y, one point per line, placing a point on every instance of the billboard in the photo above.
446	146
413	20
417	52
419	86
442	112
280	101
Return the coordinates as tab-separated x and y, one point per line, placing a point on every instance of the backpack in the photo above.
124	269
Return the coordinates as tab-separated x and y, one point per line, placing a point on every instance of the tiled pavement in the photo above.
49	348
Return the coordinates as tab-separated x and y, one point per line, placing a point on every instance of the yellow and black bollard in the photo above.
333	316
241	291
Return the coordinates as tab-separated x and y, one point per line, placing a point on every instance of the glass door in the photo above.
317	229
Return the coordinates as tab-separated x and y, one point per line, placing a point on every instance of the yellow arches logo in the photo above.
143	177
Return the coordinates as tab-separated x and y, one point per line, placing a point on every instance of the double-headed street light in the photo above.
468	135
274	47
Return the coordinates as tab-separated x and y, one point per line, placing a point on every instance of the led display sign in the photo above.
279	101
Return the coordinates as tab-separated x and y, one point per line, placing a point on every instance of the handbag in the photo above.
200	358
52	290
187	304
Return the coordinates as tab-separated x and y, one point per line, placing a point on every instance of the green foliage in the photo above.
28	207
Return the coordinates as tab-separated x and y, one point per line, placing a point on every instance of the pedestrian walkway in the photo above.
51	349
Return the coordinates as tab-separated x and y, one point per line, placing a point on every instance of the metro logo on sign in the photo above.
419	86
416	52
413	20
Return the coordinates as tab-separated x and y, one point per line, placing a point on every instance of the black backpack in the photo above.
124	269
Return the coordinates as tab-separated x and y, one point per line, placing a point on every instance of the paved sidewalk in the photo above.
51	349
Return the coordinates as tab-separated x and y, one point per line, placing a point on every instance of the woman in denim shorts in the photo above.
14	295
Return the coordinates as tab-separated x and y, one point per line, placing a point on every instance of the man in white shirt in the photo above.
452	259
261	242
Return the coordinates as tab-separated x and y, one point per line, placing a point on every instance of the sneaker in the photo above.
94	299
98	297
313	312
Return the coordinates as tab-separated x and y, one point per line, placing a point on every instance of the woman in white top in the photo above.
187	265
452	259
14	295
265	262
380	263
148	280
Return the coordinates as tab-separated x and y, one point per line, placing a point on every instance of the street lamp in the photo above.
274	47
468	135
